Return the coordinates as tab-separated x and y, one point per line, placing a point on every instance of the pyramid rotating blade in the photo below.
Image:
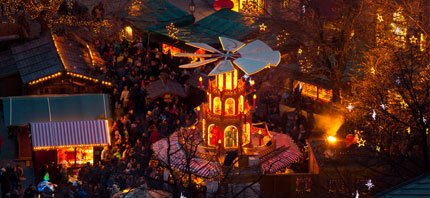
230	45
250	66
222	67
198	64
194	55
254	47
204	46
273	57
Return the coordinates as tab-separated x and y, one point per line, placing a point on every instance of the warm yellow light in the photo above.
252	82
198	108
254	96
331	139
129	32
228	81
219	141
259	132
200	79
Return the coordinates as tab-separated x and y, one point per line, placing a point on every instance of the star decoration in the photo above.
350	107
263	27
398	81
361	142
413	39
374	114
403	104
372	70
369	184
378	148
408	130
383	106
306	148
379	17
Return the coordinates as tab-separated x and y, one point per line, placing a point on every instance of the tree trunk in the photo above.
425	148
336	94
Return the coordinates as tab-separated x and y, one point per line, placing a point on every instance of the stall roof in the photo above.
22	110
53	135
159	13
49	55
198	166
417	187
225	23
36	59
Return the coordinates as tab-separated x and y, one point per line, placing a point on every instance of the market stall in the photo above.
74	143
314	91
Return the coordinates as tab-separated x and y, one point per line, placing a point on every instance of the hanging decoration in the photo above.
413	39
369	184
374	114
350	107
379	17
172	31
282	38
263	27
378	149
361	142
69	6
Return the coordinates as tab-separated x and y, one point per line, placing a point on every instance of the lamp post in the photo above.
192	7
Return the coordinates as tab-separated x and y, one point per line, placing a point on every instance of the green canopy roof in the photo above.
22	110
159	13
417	187
225	23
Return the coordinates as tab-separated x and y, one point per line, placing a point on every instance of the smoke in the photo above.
329	123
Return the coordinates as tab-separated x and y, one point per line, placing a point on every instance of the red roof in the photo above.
198	166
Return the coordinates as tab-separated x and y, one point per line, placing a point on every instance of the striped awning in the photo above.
53	135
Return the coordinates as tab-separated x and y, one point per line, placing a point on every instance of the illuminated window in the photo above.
240	103
229	106
235	79
212	137
217	105
228	81
83	155
203	128
230	137
220	81
210	102
246	137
